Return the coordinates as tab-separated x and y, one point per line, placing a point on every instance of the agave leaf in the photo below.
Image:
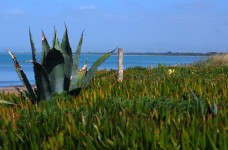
19	90
16	64
22	92
94	67
66	45
6	102
29	88
78	83
81	75
57	45
32	46
67	54
42	81
55	42
77	55
23	78
45	48
54	37
54	65
74	74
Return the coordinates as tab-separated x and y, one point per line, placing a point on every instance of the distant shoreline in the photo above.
146	53
163	54
11	89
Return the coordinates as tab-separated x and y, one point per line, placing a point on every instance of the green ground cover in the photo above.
160	108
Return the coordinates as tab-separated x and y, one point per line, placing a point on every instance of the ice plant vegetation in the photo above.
58	70
149	109
6	102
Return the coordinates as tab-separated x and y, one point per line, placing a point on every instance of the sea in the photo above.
9	77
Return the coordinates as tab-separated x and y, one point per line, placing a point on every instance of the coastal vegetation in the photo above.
215	60
58	70
167	107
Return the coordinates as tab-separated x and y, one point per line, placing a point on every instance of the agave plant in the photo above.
58	70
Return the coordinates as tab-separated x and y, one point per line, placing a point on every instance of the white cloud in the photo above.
13	12
89	7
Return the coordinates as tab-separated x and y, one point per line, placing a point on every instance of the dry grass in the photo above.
215	60
219	59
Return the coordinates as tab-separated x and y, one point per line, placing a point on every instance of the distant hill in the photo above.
175	54
165	54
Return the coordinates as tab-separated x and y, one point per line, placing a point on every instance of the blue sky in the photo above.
135	25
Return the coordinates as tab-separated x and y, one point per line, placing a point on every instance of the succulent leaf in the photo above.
78	83
16	63
42	82
66	44
54	37
94	67
32	46
81	75
29	88
54	65
23	93
67	54
74	74
22	76
45	48
55	42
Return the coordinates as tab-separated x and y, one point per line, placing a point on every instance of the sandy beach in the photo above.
10	89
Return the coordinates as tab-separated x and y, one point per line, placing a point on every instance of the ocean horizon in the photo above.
9	77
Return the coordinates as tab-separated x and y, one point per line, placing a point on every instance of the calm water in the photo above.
8	76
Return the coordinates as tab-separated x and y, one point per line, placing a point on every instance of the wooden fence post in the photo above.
120	64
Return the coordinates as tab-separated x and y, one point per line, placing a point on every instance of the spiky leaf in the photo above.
55	42
67	54
54	65
75	69
94	67
29	88
80	77
42	82
54	37
77	54
32	46
45	48
23	93
22	76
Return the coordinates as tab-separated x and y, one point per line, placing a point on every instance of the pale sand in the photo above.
10	89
